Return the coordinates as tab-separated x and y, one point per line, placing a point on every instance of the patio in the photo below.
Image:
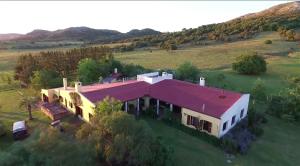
54	111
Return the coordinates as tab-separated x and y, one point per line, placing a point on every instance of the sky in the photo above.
165	16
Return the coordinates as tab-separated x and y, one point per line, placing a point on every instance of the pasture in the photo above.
278	146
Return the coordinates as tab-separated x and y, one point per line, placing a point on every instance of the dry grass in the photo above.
209	57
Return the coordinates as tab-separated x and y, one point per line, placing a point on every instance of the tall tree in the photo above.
88	71
28	102
188	72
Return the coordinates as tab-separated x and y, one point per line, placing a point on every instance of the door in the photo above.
78	111
45	98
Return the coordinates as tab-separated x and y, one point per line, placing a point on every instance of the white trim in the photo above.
235	110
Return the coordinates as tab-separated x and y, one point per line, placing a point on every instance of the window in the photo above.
60	99
224	126
207	126
242	113
192	121
66	102
233	120
90	116
70	104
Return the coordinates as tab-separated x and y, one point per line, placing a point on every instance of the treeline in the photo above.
237	29
64	63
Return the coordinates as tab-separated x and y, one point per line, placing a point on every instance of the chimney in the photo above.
202	81
65	83
116	70
203	107
77	86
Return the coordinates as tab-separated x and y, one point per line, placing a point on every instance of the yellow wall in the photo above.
215	122
87	107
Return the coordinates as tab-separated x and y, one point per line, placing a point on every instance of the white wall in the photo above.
154	77
235	109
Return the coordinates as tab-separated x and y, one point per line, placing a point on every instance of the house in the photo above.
207	109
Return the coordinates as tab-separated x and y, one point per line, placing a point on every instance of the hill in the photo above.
284	16
278	10
77	34
9	36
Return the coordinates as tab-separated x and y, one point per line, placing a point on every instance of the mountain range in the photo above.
77	34
287	14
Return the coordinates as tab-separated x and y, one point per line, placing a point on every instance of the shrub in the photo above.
286	105
268	42
258	91
187	72
250	64
2	130
121	140
45	79
196	133
228	145
239	139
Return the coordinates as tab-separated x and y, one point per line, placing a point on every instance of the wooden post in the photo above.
126	106
147	102
171	107
157	107
138	106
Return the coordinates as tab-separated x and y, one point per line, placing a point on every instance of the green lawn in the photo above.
278	146
10	112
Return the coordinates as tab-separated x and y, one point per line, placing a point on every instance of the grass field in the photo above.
209	57
278	146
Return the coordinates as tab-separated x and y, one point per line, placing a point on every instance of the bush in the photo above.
228	145
45	79
2	130
238	139
286	105
187	72
196	133
120	139
49	147
250	64
258	91
268	42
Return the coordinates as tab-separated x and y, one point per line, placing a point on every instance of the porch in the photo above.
54	111
159	108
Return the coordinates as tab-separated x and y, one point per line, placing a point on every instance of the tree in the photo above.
286	105
258	91
119	139
25	66
27	102
76	99
290	35
250	64
187	72
88	71
108	105
45	79
50	147
63	62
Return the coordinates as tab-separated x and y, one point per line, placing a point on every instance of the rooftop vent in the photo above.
222	96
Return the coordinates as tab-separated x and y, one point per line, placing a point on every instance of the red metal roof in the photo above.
193	96
201	99
123	91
